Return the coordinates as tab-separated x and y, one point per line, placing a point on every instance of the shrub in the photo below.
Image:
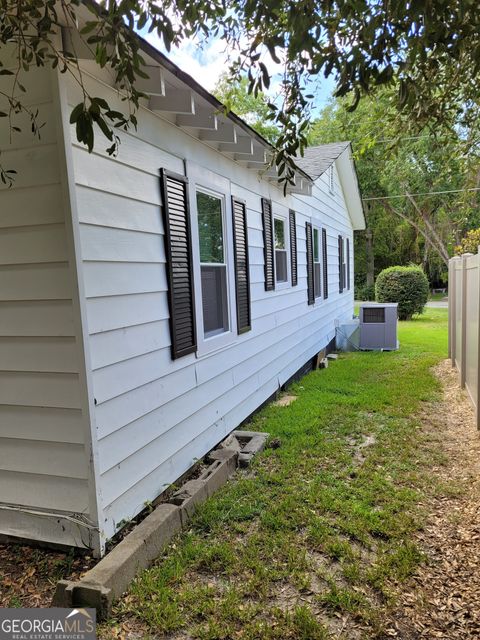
365	293
406	285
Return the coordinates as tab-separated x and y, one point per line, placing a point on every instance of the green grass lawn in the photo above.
319	529
438	296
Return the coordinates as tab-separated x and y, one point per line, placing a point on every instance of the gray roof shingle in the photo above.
317	159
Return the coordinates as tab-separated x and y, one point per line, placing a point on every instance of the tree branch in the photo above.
438	241
440	249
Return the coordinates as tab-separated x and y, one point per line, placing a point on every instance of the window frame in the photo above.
212	184
218	265
282	284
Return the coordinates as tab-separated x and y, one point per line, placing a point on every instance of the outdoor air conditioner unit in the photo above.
378	326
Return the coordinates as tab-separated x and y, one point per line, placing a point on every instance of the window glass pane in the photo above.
316	253
281	266
210	228
279	226
318	288
214	300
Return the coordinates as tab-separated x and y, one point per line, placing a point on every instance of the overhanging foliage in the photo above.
430	50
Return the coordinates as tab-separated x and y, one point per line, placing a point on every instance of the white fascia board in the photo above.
351	190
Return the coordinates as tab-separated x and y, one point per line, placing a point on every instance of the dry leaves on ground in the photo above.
443	598
28	576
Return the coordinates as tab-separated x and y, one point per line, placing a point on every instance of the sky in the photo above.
206	63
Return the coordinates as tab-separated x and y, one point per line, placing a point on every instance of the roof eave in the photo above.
164	62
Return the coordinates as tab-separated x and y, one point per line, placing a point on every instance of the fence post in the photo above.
477	407
451	310
463	360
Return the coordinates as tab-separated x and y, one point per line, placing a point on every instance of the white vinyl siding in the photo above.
43	453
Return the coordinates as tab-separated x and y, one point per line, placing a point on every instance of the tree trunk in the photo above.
370	258
425	255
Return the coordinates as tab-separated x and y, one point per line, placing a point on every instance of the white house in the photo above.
149	303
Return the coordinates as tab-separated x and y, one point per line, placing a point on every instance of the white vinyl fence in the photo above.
464	322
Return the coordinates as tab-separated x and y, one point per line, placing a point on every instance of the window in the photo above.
316	263
213	264
281	273
310	269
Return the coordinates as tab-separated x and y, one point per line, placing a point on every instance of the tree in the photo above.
253	109
400	176
429	52
469	243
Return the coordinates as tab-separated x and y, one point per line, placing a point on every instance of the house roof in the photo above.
317	160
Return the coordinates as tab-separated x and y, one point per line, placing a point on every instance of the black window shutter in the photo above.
340	263
310	275
268	244
325	263
178	249
348	264
242	275
293	247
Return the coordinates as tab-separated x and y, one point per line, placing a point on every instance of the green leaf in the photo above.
76	112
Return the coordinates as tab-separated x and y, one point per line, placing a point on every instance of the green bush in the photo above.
406	285
366	293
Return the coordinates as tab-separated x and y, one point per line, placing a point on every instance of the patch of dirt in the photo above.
358	447
443	598
28	576
284	400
